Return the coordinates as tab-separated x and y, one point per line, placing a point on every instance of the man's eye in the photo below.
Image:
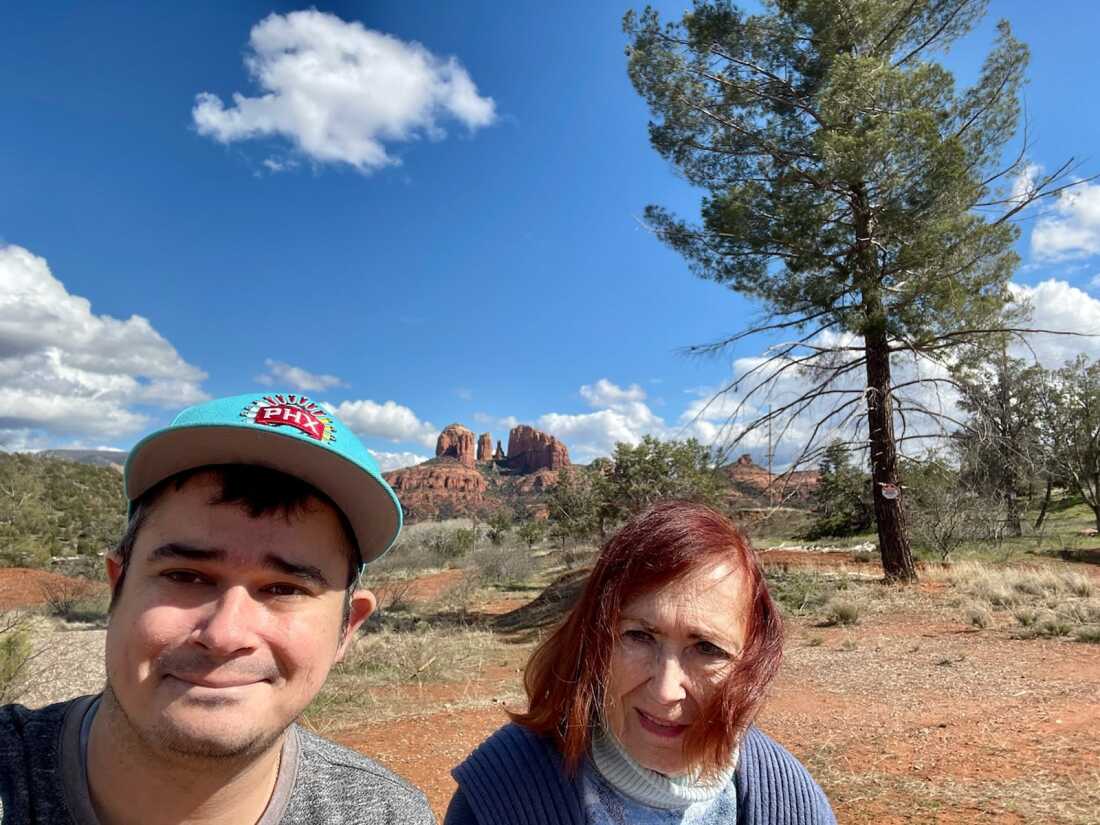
184	576
284	589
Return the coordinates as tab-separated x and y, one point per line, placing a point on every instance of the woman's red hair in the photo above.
565	675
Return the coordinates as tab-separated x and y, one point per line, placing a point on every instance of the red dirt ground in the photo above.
903	719
22	587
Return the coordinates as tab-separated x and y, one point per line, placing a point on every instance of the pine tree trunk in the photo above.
897	556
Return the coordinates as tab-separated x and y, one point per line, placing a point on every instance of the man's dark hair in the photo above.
260	491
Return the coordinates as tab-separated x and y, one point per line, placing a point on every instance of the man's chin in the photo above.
199	742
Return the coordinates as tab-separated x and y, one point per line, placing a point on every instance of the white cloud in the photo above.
1055	305
389	420
297	378
606	394
624	417
1072	229
395	461
66	371
341	92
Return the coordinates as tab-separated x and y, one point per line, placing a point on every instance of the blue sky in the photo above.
475	256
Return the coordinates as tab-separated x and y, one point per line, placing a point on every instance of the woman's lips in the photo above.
669	730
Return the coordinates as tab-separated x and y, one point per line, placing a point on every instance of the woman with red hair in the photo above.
640	704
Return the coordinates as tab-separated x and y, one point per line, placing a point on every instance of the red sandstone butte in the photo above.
530	450
456	442
485	447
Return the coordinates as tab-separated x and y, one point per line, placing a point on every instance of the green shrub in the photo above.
15	654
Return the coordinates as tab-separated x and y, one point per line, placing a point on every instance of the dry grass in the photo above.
1046	601
387	658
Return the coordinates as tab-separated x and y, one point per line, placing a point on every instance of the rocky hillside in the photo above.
53	507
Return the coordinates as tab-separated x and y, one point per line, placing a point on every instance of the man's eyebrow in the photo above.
177	550
301	571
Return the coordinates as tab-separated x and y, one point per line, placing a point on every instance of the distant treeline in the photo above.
50	507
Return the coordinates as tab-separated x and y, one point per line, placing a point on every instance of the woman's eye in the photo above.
636	635
711	651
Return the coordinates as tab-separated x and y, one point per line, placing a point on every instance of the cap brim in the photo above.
374	513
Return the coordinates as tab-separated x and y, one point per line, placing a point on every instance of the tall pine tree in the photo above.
852	190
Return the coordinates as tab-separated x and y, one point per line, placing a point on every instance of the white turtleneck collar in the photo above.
649	787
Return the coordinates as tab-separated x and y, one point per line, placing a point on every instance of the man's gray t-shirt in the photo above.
42	778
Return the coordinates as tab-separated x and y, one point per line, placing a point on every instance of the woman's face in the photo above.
674	647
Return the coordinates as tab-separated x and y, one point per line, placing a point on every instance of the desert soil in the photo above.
908	717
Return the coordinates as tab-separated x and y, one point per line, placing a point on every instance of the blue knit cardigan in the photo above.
516	777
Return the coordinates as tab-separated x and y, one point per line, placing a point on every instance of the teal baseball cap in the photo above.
286	432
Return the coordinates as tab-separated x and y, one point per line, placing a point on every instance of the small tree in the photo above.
1000	448
842	499
1075	427
942	513
653	470
499	524
572	506
531	532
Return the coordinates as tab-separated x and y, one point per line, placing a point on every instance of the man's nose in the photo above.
230	624
669	681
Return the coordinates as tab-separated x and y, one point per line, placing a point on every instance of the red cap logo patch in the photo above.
295	411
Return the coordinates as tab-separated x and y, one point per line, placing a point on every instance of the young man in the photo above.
234	591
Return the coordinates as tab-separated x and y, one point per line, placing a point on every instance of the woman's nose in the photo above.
669	681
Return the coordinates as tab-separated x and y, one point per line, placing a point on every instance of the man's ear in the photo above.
114	569
363	604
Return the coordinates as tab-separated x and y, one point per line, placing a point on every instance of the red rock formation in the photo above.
750	480
499	454
530	450
456	442
485	448
436	489
537	482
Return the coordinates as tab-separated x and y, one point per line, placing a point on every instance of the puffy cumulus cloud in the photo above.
624	417
282	374
388	420
395	461
340	92
1072	228
1056	305
69	372
606	394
